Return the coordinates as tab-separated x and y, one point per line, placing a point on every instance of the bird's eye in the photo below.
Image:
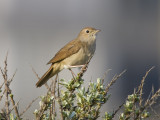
87	31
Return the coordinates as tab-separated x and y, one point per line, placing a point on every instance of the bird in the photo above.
74	54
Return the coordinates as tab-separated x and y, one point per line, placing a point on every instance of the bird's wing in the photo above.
68	50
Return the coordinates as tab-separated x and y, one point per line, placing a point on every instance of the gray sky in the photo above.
34	30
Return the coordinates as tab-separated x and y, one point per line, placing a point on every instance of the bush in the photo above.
76	102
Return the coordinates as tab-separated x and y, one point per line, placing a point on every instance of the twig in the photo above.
156	114
149	102
115	112
15	107
60	103
73	75
34	72
140	92
3	114
29	106
115	78
54	91
1	86
52	101
105	74
41	112
0	89
8	91
12	77
134	106
3	94
140	88
46	85
153	98
83	69
51	85
5	77
11	96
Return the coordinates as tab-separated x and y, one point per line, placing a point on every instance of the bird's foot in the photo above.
83	68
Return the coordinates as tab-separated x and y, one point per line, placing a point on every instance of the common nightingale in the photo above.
74	54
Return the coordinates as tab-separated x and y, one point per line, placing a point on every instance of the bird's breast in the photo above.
81	57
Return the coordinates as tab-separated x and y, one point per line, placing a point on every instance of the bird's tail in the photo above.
45	77
53	70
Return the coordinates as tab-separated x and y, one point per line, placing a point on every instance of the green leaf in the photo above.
72	114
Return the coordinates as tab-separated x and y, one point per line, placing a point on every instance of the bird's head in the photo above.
88	34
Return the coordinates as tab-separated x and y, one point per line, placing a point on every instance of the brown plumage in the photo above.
71	48
76	52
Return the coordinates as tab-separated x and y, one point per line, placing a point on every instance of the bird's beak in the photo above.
97	30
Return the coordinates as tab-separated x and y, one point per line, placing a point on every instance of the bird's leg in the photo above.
69	68
77	66
74	66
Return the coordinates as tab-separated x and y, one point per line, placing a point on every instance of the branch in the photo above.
46	85
54	91
115	78
29	106
15	107
140	88
105	74
5	77
12	77
60	103
83	69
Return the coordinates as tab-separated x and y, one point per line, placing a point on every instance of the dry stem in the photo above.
29	106
54	91
15	107
59	101
7	91
140	88
5	77
115	78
